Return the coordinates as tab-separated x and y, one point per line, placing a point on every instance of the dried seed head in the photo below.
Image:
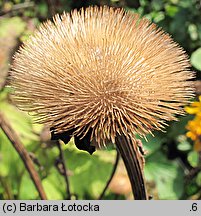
103	70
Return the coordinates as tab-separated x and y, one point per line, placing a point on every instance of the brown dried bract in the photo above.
102	69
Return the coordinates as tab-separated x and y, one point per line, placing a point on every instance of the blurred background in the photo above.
173	161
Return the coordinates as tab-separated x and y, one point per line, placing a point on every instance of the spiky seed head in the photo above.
104	70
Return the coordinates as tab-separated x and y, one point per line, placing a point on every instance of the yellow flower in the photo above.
194	126
197	145
195	107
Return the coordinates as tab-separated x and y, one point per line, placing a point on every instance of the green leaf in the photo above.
183	144
192	188
196	59
11	165
43	9
10	162
157	5
54	185
14	25
167	175
153	143
198	179
89	172
177	128
27	188
20	122
193	31
171	10
193	158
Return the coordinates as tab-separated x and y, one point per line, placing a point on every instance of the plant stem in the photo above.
133	162
65	172
15	141
111	176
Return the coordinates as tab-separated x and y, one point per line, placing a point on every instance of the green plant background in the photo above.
172	167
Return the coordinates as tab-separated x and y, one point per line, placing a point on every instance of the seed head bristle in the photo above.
102	69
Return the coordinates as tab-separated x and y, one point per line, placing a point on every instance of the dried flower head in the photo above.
101	70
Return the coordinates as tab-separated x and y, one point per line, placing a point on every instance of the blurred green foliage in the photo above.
172	166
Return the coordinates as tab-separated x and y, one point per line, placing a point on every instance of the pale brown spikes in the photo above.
104	70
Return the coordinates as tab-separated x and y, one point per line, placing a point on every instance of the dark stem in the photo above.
17	7
15	141
111	176
134	166
51	7
65	171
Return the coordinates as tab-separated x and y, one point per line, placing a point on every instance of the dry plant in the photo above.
104	74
